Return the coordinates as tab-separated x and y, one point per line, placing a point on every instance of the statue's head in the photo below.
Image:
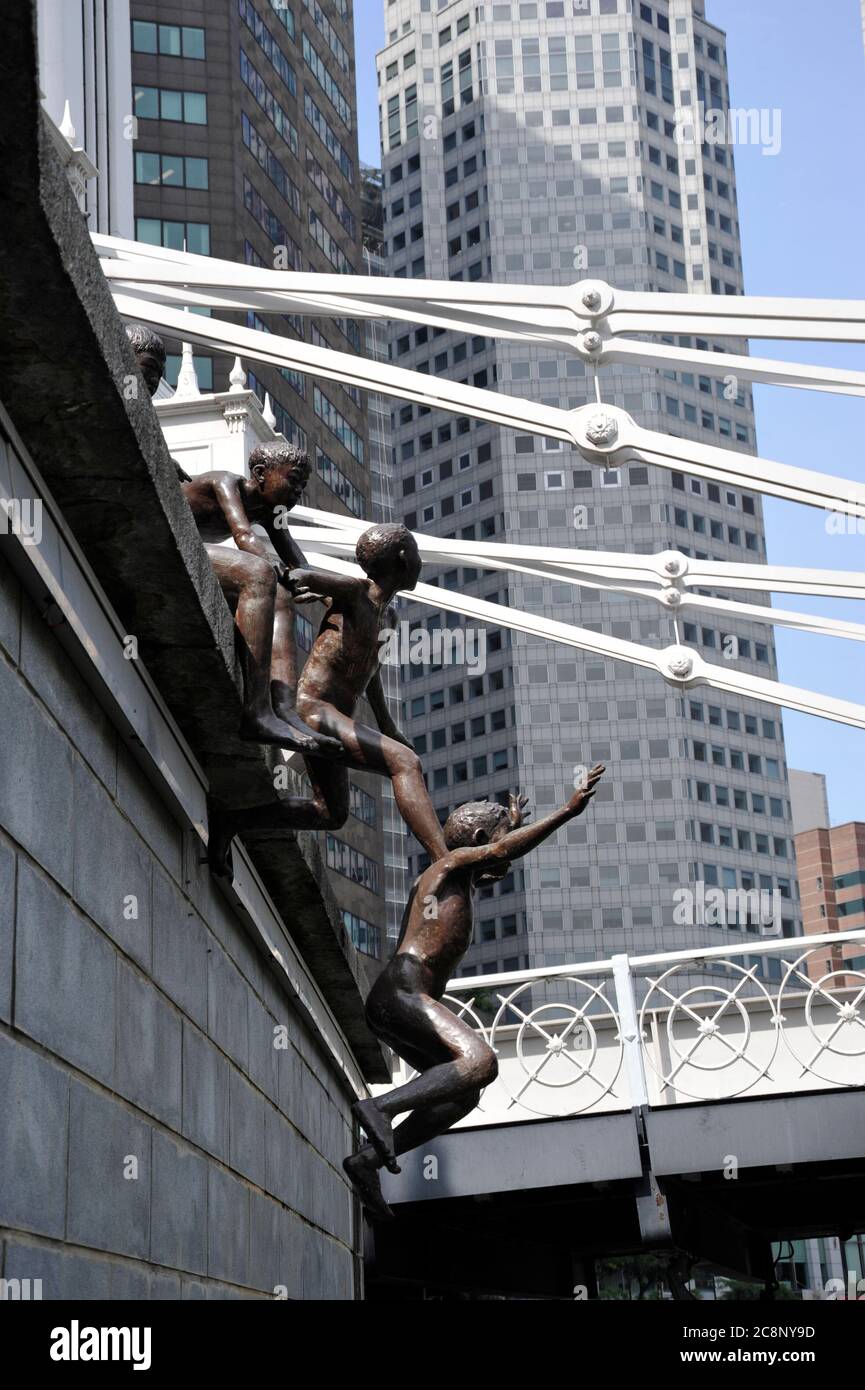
149	352
280	471
389	554
479	823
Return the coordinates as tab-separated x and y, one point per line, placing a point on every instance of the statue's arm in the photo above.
311	586
522	841
285	545
227	493
376	697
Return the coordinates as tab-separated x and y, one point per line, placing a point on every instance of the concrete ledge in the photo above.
64	359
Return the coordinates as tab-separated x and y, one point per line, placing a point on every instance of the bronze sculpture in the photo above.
343	665
404	1008
256	586
344	662
315	715
226	507
149	352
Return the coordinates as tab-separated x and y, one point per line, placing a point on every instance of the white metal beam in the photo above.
564	306
602	434
673	599
678	665
730	574
509	312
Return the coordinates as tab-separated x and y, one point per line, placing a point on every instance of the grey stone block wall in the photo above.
153	1141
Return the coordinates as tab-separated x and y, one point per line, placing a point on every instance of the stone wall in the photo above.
154	1142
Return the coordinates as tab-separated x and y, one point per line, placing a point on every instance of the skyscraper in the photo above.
830	861
84	61
246	149
537	142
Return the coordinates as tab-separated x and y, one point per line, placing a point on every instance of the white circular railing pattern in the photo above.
556	1045
710	1048
706	1039
844	1022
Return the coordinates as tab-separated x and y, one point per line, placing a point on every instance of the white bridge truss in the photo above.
160	288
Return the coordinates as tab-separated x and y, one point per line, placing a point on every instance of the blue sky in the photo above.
802	213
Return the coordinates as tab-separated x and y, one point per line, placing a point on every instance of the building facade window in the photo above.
167	104
168	40
352	864
171	170
336	422
179	236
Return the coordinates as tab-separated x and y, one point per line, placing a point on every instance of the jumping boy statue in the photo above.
404	1008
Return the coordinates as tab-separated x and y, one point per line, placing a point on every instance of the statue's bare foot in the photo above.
306	740
365	1180
267	728
379	1131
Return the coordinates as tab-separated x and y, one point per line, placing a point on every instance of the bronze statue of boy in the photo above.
256	586
343	665
404	1007
225	507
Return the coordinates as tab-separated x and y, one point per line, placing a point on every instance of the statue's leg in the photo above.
283	681
362	1172
326	809
422	1125
362	1168
249	585
454	1061
367	750
470	1066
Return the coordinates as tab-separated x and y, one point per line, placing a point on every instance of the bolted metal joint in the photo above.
678	664
674	564
591	342
592	297
602	429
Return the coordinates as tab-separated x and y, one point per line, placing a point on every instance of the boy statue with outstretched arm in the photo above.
344	664
404	1007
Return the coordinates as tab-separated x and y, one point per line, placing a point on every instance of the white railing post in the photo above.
629	1027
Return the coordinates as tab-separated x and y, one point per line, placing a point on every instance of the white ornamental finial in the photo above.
67	129
187	380
267	412
237	378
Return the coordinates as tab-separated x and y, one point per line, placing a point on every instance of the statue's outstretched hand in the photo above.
581	798
518	809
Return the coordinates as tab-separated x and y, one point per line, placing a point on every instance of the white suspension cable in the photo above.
740	316
149	284
679	666
585	319
602	434
669	597
651	568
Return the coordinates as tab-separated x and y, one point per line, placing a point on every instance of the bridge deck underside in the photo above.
526	1209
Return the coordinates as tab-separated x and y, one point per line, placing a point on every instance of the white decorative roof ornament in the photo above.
237	377
267	412
187	378
79	167
66	128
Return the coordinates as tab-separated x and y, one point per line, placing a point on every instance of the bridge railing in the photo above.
712	1024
